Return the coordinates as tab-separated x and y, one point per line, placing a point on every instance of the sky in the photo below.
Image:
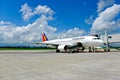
23	21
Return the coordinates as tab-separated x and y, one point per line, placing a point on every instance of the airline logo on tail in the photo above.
44	38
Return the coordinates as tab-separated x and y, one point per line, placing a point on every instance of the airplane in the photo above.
74	44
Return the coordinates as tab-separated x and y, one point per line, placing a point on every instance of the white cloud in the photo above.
30	33
5	23
75	32
43	10
107	20
28	12
12	34
90	20
102	4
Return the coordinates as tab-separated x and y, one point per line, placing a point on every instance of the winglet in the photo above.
44	37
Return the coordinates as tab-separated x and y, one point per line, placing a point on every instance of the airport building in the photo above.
113	39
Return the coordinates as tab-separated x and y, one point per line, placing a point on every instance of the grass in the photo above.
26	48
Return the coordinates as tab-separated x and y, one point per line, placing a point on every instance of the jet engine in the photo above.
62	47
68	48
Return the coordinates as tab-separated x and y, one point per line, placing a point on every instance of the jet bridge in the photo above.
110	38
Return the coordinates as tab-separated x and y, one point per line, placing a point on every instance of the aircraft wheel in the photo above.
57	51
73	51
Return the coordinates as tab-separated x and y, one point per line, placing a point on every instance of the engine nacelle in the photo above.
62	47
75	46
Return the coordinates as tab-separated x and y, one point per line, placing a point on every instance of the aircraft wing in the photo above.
47	44
55	44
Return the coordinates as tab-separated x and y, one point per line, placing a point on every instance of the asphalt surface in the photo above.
59	66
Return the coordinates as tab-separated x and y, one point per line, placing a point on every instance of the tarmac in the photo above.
41	65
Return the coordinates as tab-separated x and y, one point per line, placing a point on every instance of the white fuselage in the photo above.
86	41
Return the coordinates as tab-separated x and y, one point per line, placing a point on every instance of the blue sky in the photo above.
58	18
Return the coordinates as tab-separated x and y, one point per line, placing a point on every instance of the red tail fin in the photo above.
44	38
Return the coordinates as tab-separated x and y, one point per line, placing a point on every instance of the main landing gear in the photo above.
76	50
